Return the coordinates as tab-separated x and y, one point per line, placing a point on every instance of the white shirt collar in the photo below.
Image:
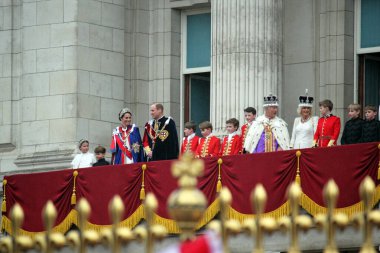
230	136
210	135
191	136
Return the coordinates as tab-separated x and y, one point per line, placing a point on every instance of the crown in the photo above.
306	101
270	100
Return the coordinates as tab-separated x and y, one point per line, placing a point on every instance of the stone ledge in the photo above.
7	147
44	161
180	4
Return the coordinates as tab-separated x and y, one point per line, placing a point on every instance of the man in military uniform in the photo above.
160	136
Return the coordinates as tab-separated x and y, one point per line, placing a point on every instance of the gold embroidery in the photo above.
268	139
205	147
227	147
163	134
136	147
188	145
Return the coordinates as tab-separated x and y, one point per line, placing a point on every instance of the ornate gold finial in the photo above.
296	222
85	237
368	218
19	243
330	221
187	204
50	241
115	236
227	226
153	231
259	225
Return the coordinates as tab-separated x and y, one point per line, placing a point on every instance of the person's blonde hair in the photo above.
299	108
355	107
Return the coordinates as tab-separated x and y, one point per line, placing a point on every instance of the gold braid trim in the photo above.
313	208
129	222
63	227
172	227
283	210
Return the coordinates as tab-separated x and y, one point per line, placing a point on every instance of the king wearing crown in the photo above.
269	132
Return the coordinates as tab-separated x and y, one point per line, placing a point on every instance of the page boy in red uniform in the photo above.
209	144
190	141
250	116
232	142
328	127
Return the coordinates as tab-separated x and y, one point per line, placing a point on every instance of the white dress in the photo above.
83	160
303	133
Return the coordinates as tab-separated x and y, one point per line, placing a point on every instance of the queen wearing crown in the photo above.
304	126
269	132
126	145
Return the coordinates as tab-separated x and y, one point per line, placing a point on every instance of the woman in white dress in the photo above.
84	159
304	126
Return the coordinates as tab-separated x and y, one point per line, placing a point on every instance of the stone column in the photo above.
337	54
246	56
72	78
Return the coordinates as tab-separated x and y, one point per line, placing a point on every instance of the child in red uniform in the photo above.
231	143
209	145
250	116
190	141
328	127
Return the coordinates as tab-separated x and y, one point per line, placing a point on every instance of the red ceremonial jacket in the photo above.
232	147
244	131
189	145
208	147
328	129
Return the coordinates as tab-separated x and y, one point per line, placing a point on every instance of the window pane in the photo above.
200	98
370	23
198	40
372	81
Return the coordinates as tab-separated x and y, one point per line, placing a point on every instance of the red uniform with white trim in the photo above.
244	130
231	145
208	147
190	144
327	131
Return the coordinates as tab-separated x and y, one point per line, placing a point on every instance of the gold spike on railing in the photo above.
258	226
368	218
49	241
116	236
330	221
80	240
17	243
296	222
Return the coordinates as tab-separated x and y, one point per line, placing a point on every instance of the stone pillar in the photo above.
72	78
246	56
152	55
337	54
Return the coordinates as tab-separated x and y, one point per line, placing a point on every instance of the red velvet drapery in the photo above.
347	165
